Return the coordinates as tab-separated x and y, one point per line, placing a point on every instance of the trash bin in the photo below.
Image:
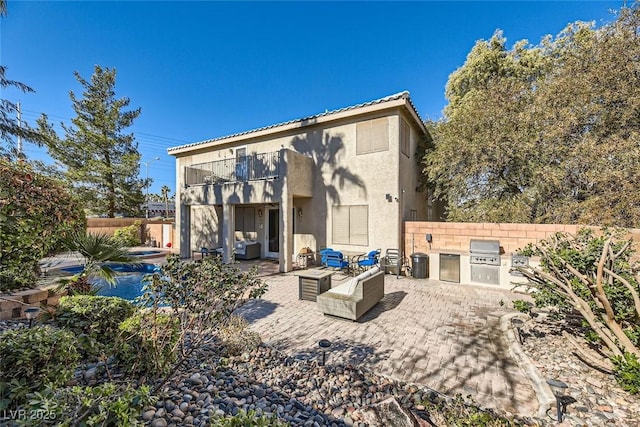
420	265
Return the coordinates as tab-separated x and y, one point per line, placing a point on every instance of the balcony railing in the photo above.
248	168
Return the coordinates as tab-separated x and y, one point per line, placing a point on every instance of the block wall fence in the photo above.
455	236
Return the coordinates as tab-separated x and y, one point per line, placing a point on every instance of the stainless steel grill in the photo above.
484	257
518	260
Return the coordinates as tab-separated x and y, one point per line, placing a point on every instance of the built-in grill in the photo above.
518	260
484	257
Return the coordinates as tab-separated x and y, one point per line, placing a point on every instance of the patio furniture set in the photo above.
352	299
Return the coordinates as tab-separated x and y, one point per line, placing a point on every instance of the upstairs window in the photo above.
405	138
372	136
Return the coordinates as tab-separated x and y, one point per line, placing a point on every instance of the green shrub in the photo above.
95	319
200	296
130	235
627	372
248	419
237	337
32	358
106	404
35	214
522	306
147	344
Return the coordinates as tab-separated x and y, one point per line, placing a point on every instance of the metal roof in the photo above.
395	97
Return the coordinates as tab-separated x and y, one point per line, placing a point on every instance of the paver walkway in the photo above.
442	335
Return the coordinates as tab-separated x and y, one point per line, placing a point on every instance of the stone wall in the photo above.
13	306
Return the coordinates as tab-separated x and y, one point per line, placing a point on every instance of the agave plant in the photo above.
97	250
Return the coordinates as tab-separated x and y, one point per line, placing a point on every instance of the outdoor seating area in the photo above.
354	298
351	263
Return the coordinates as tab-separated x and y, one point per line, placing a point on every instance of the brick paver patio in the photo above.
442	335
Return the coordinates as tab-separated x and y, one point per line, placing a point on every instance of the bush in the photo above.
35	214
201	296
237	337
627	372
130	235
32	358
522	306
95	319
147	344
107	404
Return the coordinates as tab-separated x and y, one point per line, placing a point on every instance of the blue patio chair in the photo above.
336	260
369	260
323	255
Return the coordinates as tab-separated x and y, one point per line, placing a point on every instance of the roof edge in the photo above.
301	121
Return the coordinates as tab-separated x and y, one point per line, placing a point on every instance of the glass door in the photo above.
241	164
273	233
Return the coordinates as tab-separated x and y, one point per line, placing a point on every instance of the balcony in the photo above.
242	169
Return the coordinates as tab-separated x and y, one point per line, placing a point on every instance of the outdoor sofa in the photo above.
247	249
353	299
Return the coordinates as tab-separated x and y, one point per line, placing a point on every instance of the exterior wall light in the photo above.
260	213
300	212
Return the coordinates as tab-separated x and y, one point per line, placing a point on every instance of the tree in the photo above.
593	275
36	212
481	163
102	162
165	190
544	133
10	127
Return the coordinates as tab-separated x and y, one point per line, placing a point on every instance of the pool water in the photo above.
145	253
128	280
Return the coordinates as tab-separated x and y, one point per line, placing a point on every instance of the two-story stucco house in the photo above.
345	179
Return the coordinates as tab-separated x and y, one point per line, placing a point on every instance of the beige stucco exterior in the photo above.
317	168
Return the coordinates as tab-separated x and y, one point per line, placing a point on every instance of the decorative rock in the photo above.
159	422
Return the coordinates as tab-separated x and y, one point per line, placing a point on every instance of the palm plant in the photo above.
97	250
165	190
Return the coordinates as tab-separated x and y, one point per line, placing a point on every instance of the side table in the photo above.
312	283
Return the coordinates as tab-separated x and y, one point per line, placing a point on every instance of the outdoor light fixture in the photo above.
260	213
31	313
300	212
562	400
324	345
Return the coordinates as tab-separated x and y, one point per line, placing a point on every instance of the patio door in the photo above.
273	233
241	164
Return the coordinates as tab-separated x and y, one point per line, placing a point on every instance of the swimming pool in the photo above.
146	253
128	280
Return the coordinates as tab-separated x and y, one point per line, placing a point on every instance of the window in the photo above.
350	225
405	137
245	219
372	136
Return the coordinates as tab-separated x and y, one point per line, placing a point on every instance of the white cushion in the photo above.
346	288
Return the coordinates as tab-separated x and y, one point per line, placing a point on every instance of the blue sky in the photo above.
200	70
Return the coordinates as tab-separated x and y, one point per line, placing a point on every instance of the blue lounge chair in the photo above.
336	260
323	255
369	260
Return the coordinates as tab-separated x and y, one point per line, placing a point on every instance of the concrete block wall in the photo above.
152	228
12	306
454	238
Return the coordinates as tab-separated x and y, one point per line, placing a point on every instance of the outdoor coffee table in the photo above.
312	283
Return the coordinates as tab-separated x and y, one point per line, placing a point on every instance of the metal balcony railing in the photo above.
248	168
